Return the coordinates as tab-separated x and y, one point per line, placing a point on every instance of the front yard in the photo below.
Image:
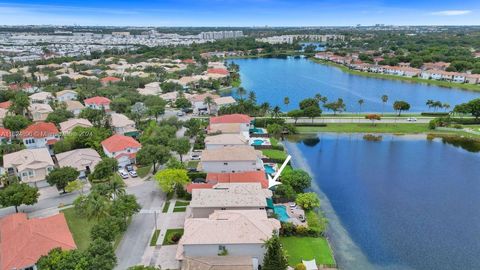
172	236
80	228
307	248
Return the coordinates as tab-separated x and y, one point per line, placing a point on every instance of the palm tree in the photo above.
446	106
276	111
384	101
241	92
430	103
360	103
265	107
209	102
286	101
252	97
321	98
96	206
116	187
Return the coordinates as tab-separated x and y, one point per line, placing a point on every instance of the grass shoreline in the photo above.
466	87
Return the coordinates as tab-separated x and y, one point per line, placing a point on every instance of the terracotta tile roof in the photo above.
5	133
24	241
188	61
97	100
239	177
221	71
119	142
110	79
5	105
39	130
231	118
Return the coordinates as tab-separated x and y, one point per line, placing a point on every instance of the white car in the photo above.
133	173
195	157
412	119
123	173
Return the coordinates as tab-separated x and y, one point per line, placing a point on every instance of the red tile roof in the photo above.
239	177
230	119
192	186
119	142
110	79
5	133
97	100
40	130
221	71
189	61
5	105
24	241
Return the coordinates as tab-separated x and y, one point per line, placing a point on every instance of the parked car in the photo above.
123	173
180	113
195	157
412	119
133	173
129	167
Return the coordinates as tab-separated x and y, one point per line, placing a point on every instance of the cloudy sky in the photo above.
240	12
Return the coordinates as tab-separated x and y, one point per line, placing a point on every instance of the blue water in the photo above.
281	212
400	203
273	79
257	142
269	169
257	131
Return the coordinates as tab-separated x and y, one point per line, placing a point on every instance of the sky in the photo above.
240	12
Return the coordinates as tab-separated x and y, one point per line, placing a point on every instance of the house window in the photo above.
24	174
30	173
225	163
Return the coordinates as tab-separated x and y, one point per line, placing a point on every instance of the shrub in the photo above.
301	230
175	237
264	122
287	229
308	200
300	266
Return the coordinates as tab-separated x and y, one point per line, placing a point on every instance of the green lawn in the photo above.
153	241
169	234
192	164
368	128
314	220
165	207
181	203
144	171
273	141
307	248
274	154
80	228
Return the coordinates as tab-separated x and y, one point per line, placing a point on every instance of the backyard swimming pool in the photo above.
281	211
257	142
269	169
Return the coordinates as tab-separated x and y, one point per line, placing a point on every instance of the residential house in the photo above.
227	233
221	102
219	263
224	140
30	165
122	148
3	114
67	126
109	80
243	120
152	88
240	177
436	66
83	160
5	105
40	135
122	125
24	240
74	106
231	159
5	135
98	103
65	95
41	97
39	111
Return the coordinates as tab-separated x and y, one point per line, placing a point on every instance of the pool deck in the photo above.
294	214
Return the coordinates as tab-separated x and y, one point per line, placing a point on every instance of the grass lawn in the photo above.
273	141
181	203
192	164
307	248
274	154
368	128
153	241
165	207
144	171
80	228
169	234
179	209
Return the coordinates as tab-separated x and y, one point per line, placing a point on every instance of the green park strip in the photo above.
275	154
170	236
165	207
464	86
368	128
153	241
144	171
307	248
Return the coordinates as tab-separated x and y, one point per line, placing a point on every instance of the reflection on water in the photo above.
470	145
372	137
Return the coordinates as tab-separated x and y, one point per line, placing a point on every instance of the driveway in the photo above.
137	237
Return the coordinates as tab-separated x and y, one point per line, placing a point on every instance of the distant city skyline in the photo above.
239	12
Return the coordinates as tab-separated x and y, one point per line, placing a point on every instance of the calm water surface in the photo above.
273	79
402	202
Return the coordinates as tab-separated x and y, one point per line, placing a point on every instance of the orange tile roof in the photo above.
24	241
110	79
5	133
189	61
39	130
221	71
97	100
119	142
5	105
231	118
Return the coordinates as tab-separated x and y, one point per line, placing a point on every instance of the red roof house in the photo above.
109	79
220	71
231	119
117	143
188	61
99	101
23	241
239	177
40	130
5	105
5	133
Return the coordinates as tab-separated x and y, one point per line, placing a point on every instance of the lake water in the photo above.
396	202
273	79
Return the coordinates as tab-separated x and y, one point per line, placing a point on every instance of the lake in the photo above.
396	202
272	79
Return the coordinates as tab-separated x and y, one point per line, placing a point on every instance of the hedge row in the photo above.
264	122
439	114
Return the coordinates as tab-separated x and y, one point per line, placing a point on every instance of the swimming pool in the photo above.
281	211
258	142
269	169
257	130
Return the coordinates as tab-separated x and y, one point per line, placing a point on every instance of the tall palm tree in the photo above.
360	103
209	102
252	97
286	101
384	101
276	111
320	98
96	206
446	106
116	187
241	92
265	107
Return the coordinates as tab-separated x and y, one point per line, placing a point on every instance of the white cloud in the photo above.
451	12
